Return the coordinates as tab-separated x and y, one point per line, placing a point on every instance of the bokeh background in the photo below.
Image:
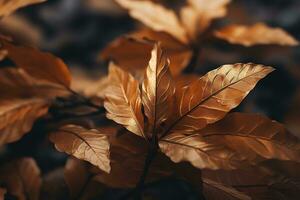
77	30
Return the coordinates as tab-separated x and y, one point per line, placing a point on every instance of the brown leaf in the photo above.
158	91
17	117
156	17
123	101
208	99
38	64
22	179
2	193
9	6
257	34
197	15
233	142
215	191
136	50
90	145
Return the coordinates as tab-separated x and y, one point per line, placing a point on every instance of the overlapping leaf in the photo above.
123	101
90	145
257	34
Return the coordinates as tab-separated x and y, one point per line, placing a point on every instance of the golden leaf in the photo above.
9	6
22	179
135	52
17	117
197	15
215	191
257	34
155	16
233	142
90	145
158	91
38	64
208	99
123	101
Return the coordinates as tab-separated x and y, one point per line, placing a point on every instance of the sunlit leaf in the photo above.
158	91
257	34
90	145
123	101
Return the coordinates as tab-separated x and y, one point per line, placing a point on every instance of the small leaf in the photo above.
123	101
156	17
233	142
198	14
158	91
215	191
38	64
9	6
17	117
208	99
257	34
90	145
22	178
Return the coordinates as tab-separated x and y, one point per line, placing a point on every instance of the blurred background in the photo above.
77	30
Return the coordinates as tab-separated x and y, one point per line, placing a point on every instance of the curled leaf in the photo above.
17	117
156	17
158	91
257	34
123	101
90	145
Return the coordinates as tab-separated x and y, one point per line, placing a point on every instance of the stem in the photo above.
85	100
194	60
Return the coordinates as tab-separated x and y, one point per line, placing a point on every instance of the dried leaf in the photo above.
123	101
156	17
2	193
198	15
22	179
158	91
38	64
136	49
233	142
90	145
215	191
17	117
208	99
257	34
9	6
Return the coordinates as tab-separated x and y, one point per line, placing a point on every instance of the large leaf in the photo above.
257	34
215	191
38	64
9	6
123	101
198	14
17	117
90	145
22	179
132	52
208	99
233	142
156	17
158	91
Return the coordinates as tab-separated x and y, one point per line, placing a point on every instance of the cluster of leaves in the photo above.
147	121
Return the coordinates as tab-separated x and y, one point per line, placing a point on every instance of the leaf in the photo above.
215	191
123	101
158	91
2	193
257	34
208	99
38	64
197	15
17	117
22	178
90	145
233	142
9	6
156	17
133	51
